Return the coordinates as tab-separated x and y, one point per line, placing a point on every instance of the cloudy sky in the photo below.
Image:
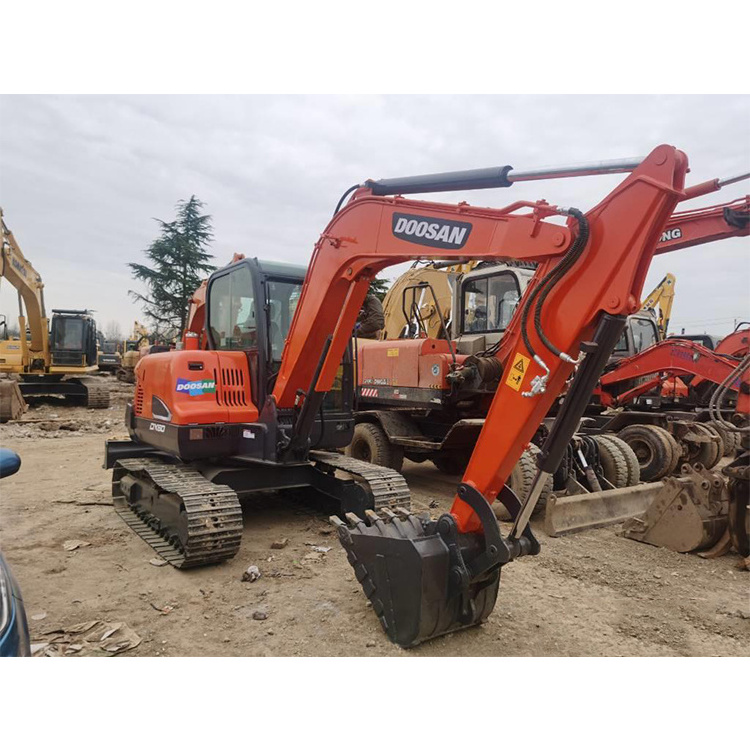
81	178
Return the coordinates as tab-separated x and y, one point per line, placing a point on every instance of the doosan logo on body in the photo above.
195	387
423	230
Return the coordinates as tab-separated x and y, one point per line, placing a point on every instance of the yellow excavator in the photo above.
139	338
662	298
53	356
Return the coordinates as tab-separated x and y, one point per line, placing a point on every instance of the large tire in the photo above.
729	439
706	454
631	460
371	444
520	481
613	463
655	449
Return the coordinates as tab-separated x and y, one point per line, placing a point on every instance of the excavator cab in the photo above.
73	340
249	308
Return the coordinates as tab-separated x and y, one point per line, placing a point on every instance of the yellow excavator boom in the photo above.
21	274
661	297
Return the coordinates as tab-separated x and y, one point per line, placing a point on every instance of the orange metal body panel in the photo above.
404	362
226	396
736	344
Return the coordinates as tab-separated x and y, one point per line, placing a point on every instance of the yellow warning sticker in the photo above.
517	371
392	353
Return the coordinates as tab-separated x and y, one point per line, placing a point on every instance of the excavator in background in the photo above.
138	341
263	407
660	303
108	356
50	357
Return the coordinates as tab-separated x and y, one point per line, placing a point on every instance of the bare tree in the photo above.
113	331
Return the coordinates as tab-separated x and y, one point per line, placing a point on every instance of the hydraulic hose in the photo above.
714	405
343	198
557	273
540	293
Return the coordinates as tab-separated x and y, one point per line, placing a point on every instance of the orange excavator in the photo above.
265	404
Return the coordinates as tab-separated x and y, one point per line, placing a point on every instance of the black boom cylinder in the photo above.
467	179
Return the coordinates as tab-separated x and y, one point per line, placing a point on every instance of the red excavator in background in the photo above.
249	414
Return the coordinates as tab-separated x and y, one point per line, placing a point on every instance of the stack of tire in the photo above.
659	454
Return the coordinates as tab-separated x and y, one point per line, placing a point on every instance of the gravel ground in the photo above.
592	594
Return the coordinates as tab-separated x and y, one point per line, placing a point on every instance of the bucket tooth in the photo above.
354	520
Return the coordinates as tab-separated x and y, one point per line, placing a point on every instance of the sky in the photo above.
82	177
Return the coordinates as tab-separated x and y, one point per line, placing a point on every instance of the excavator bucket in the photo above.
689	513
404	566
12	404
423	578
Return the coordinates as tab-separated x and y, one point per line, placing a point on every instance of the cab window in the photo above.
489	303
232	311
69	334
644	333
283	297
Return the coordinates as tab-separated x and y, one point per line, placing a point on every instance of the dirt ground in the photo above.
592	594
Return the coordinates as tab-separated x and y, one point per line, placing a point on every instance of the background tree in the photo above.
379	287
113	331
179	259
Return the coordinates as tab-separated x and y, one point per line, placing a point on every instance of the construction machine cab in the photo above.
640	333
486	300
73	338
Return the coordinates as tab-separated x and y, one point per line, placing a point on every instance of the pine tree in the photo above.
179	259
379	287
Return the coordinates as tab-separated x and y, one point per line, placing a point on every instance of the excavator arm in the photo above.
425	578
673	357
701	225
21	274
375	231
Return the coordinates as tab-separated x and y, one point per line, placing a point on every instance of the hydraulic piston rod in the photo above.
493	177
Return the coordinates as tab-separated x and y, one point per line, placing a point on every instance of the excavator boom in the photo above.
427	578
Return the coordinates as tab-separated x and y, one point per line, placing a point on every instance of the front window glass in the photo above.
69	334
110	347
233	321
283	297
622	343
489	303
644	333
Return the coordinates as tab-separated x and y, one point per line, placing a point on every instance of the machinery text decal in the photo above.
517	371
423	230
195	387
671	234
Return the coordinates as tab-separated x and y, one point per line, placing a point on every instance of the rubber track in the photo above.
388	487
213	510
97	393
